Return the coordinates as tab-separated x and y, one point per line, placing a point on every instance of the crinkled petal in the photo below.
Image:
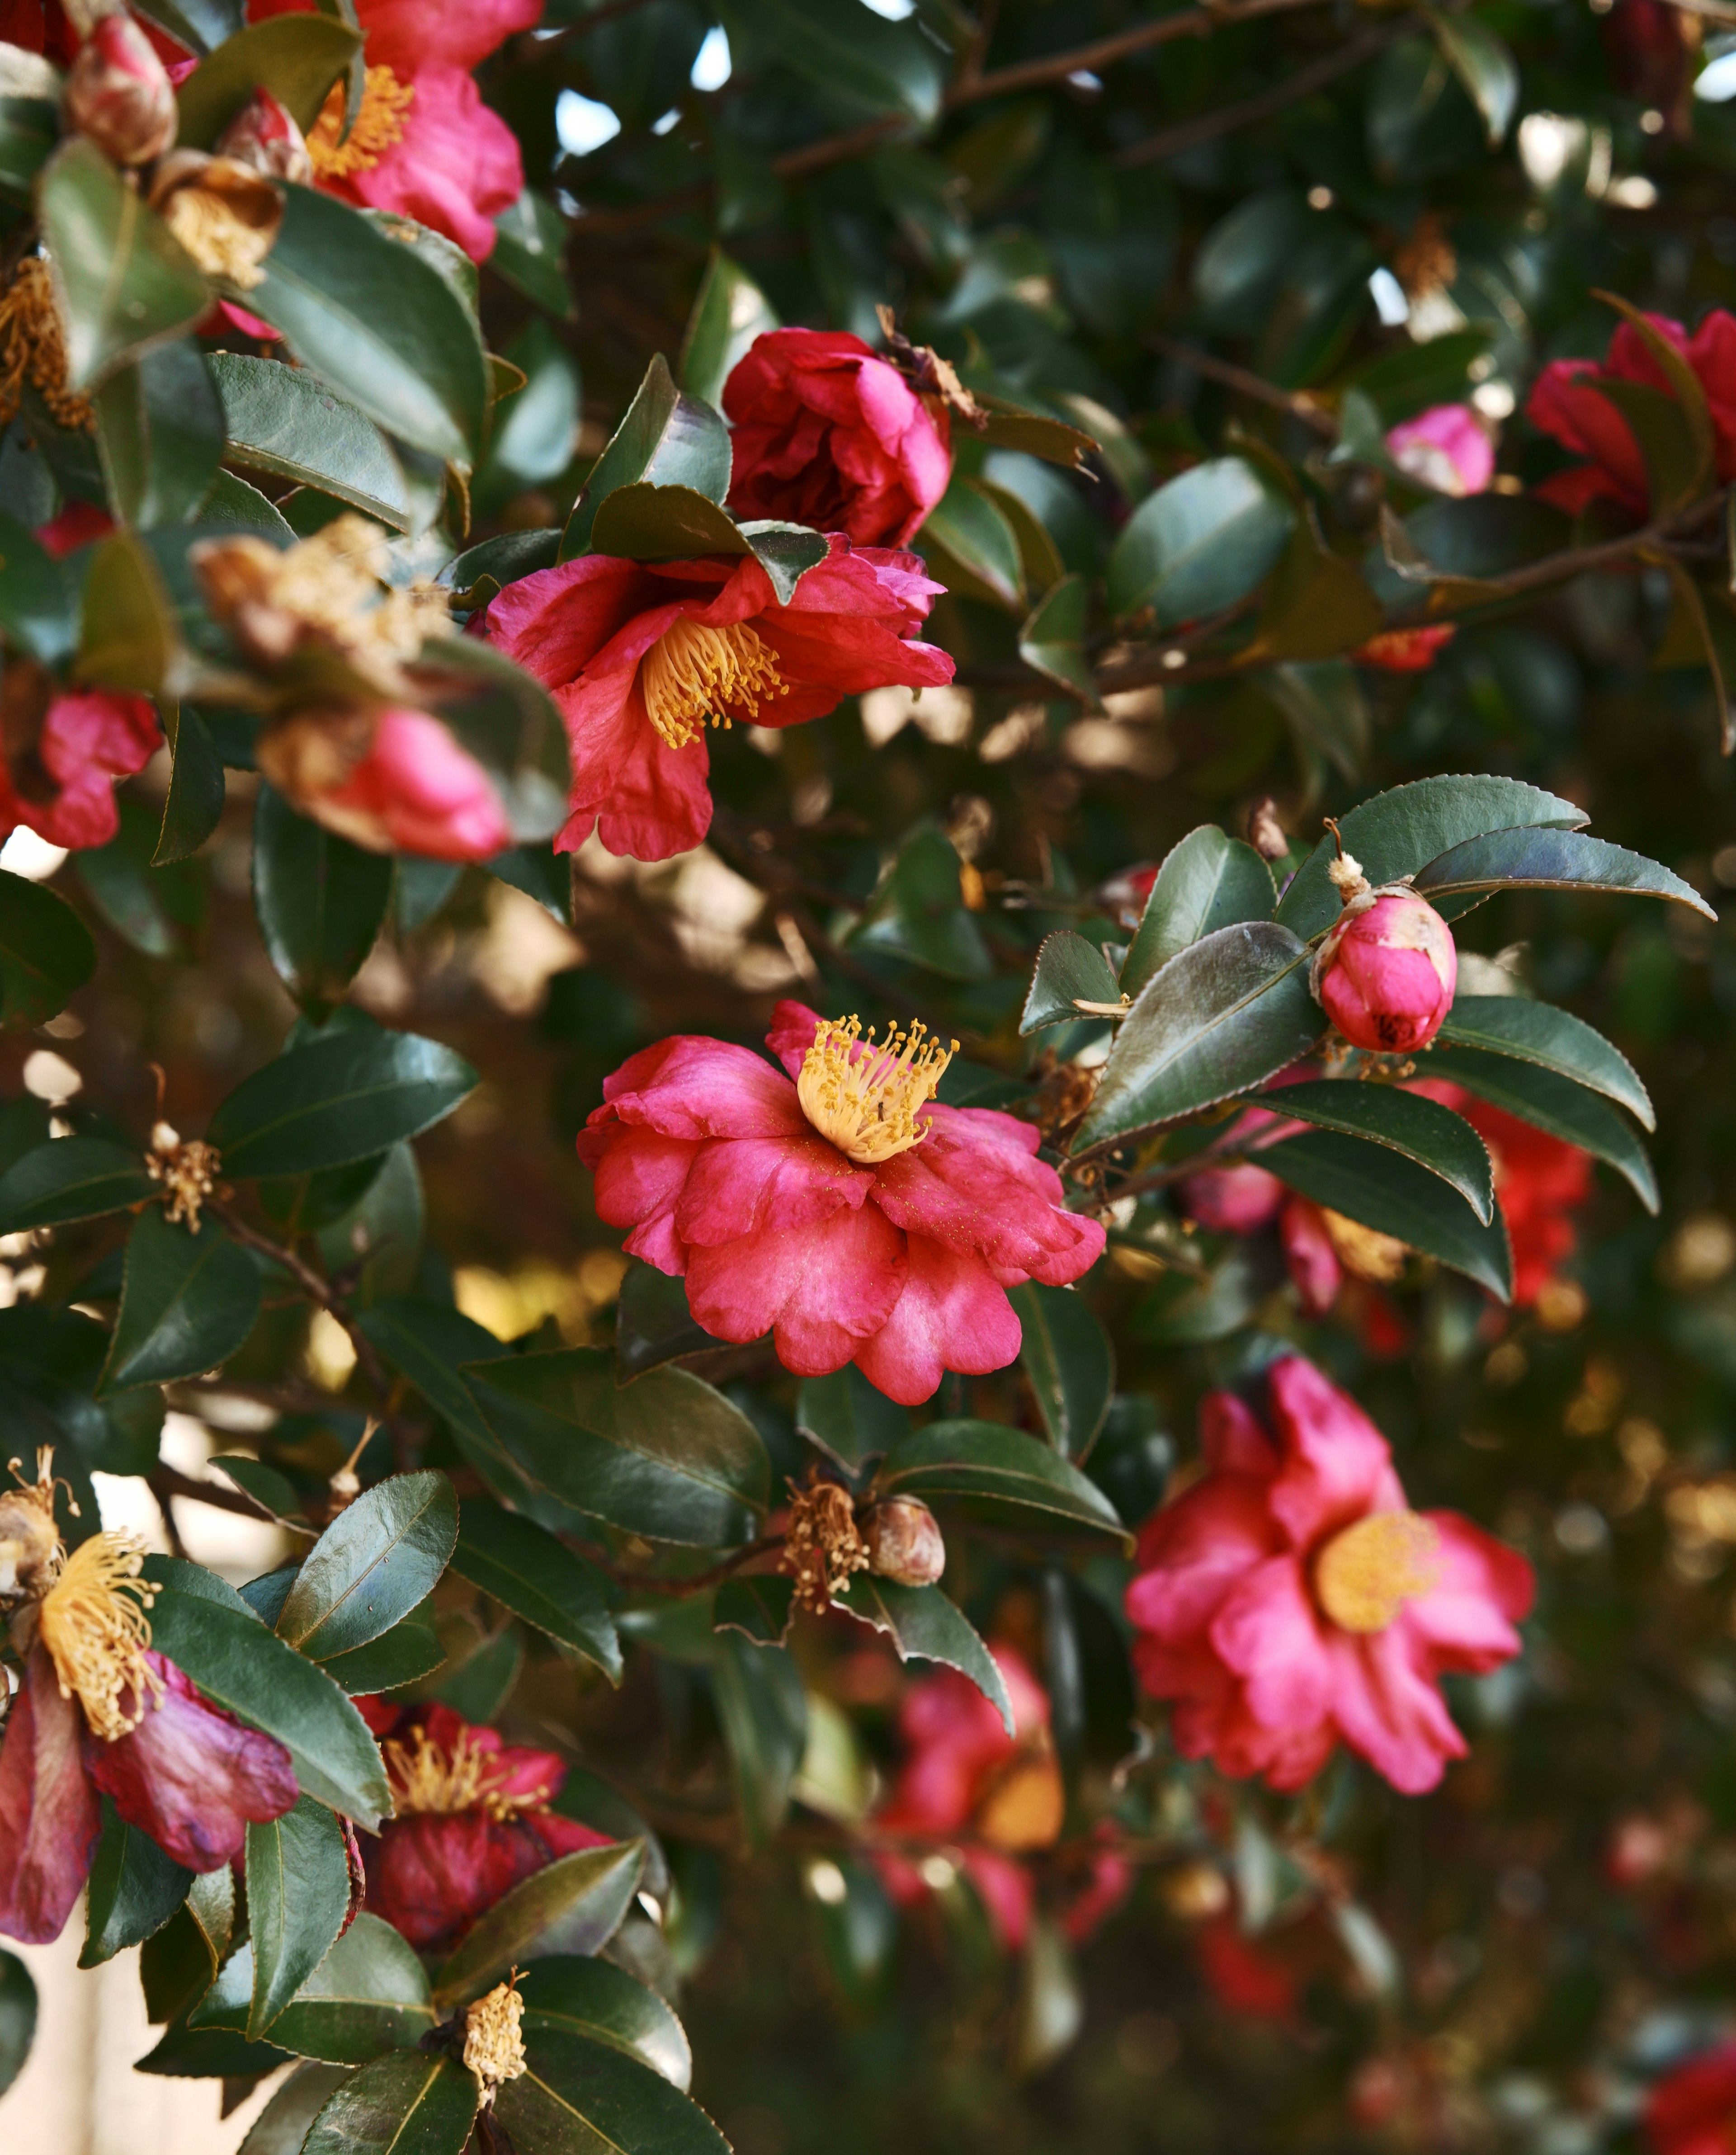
1337	1465
953	1314
689	1086
738	1185
820	1289
49	1815
1265	1632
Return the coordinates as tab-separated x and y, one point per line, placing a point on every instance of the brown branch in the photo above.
1297	402
697	1582
317	1289
165	1481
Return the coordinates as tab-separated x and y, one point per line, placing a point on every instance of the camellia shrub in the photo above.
856	855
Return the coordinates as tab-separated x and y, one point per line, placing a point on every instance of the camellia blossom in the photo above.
65	748
826	433
1447	448
1565	404
471	1820
100	1713
423	145
1387	971
1692	2109
642	657
1290	1600
840	1207
1539	1181
391	780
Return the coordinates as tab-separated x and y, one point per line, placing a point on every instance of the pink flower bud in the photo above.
119	95
1447	448
1386	974
396	782
1232	1200
265	137
905	1541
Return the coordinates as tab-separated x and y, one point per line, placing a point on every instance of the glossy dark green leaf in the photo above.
602	2004
1316	605
1552	860
1208	881
975	548
377	1560
282	420
864	66
1051	640
125	280
1421	1128
273	1492
1393	1195
1486	66
730	311
133	1891
344	1098
45	952
1231	1011
127	632
1534	1032
367	1997
850	1419
534	429
18	2017
39	596
282	2126
1199	543
581	2098
478	573
70	1179
574	1906
763	1708
210	2053
1325	709
1554	1104
528	1571
924	1626
196	786
411	2102
761	1607
653	1322
407	1654
1677	466
1069	970
665	439
188	1303
998	1474
530	240
160	431
1068	1363
666	1456
919	913
298	1895
321	901
297	58
641	522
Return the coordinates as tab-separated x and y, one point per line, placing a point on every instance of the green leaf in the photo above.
369	1997
761	1607
1199	544
321	901
1068	971
924	1626
283	420
975	549
1069	1361
272	1492
298	1895
573	1905
343	1098
1396	833
528	1571
1485	65
1227	1013
862	66
1555	1105
197	787
1436	1138
1317	604
1324	707
134	1889
763	1709
377	1560
232	504
730	311
601	2002
209	1631
643	522
201	25
405	2103
666	1456
371	316
1393	1195
1208	881
529	240
18	2017
30	89
534	429
1552	860
297	58
1050	641
653	1322
125	281
161	432
1676	469
188	1303
919	913
70	1179
153	910
665	439
997	1475
46	951
127	635
1531	1032
1686	388
406	1654
282	2126
38	594
850	1419
479	574
581	2098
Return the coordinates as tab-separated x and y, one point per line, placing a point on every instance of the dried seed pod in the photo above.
905	1541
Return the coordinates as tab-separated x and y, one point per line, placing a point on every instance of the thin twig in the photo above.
1297	402
317	1290
166	1481
697	1582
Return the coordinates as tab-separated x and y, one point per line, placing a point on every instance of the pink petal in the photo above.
953	1314
1389	1711
49	1817
738	1185
691	1086
1265	1632
1192	1553
821	1289
1337	1465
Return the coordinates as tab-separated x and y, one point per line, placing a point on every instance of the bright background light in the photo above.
583	124
711	68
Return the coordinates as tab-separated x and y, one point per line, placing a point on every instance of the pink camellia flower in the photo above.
1692	2109
1387	973
471	1820
392	780
828	434
840	1207
64	749
1564	404
642	657
1447	448
1406	650
423	145
99	1711
1290	1601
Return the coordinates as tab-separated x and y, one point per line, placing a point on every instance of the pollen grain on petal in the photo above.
94	1626
1364	1575
695	675
865	1098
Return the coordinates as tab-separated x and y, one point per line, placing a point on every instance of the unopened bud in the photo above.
905	1541
1264	833
223	212
118	93
1387	973
265	138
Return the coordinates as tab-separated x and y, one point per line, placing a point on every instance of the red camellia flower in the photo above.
1290	1600
828	434
99	1713
1692	2111
472	1819
1406	650
1564	403
1540	1181
840	1207
642	657
1387	973
63	751
424	144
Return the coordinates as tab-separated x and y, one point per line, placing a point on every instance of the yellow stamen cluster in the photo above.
821	1546
1365	1574
695	676
32	348
224	214
493	2047
379	125
866	1098
188	1171
425	1778
93	1623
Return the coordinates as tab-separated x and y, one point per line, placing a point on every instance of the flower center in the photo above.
694	674
427	1778
95	1627
378	125
1364	1575
864	1098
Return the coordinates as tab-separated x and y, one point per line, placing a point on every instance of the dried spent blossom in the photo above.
118	92
33	349
30	1545
904	1542
821	1548
186	1170
493	2047
226	213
